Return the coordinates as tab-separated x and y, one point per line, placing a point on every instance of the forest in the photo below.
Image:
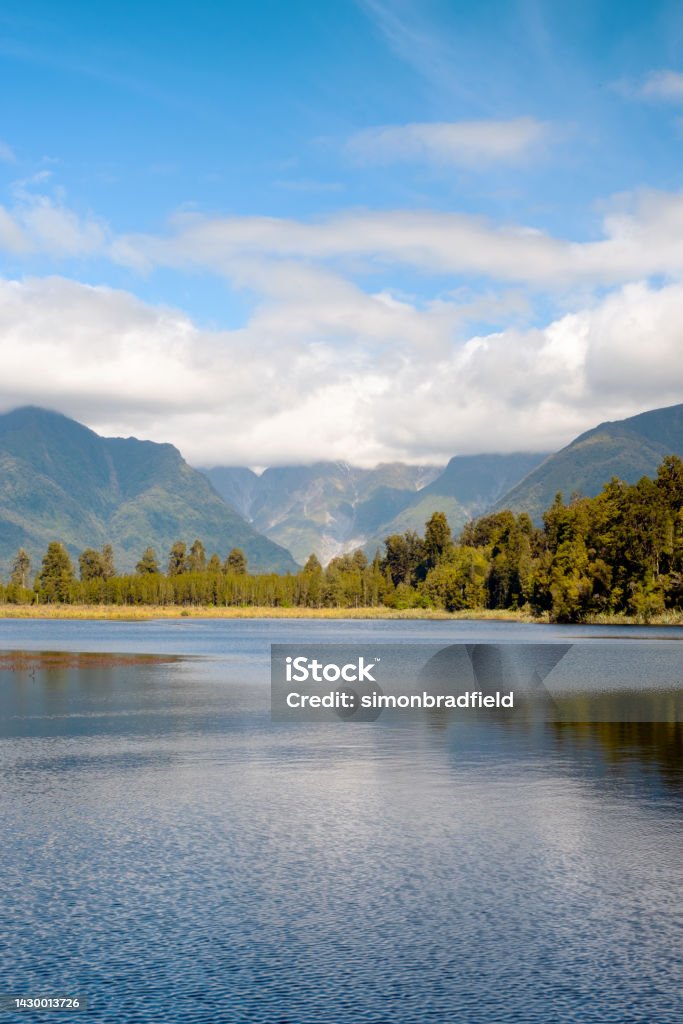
618	553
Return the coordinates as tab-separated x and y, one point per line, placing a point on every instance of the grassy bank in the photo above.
146	612
143	612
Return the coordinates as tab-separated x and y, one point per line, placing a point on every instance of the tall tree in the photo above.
197	559
404	555
21	568
236	562
438	540
670	480
91	565
56	575
177	559
148	564
108	565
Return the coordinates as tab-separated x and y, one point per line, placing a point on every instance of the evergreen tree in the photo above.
21	568
91	565
312	578
458	581
197	560
148	564
56	575
236	562
108	565
619	552
670	481
377	588
438	541
404	555
359	559
177	559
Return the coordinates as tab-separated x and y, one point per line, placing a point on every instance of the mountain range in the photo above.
331	507
61	481
628	449
325	508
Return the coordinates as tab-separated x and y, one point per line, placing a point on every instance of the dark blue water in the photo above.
172	855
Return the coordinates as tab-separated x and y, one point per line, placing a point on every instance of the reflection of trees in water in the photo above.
18	661
628	731
658	745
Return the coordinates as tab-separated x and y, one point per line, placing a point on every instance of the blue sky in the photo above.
419	228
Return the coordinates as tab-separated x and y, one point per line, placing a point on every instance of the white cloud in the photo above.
327	369
347	376
7	154
55	229
459	143
641	238
42	223
12	236
663	85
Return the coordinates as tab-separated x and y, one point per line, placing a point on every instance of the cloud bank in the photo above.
282	389
334	363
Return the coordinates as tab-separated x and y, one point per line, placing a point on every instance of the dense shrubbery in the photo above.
620	552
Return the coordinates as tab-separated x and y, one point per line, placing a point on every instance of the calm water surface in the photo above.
172	855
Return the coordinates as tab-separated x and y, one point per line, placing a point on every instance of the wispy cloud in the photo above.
459	143
36	222
422	45
664	84
7	154
641	237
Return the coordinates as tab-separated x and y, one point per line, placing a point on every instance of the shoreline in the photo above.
142	613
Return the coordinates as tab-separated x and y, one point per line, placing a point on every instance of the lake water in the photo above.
171	854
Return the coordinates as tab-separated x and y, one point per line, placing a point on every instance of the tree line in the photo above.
618	553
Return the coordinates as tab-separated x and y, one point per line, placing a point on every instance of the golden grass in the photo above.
667	618
143	612
135	613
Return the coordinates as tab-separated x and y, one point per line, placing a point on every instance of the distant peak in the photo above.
25	414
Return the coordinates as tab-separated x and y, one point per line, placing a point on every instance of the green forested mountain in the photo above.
330	507
469	486
619	553
61	481
627	449
325	508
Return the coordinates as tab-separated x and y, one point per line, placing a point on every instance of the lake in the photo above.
172	855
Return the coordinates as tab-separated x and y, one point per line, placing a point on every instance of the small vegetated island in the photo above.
617	554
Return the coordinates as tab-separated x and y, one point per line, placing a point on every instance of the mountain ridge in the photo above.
59	480
317	508
628	448
331	507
